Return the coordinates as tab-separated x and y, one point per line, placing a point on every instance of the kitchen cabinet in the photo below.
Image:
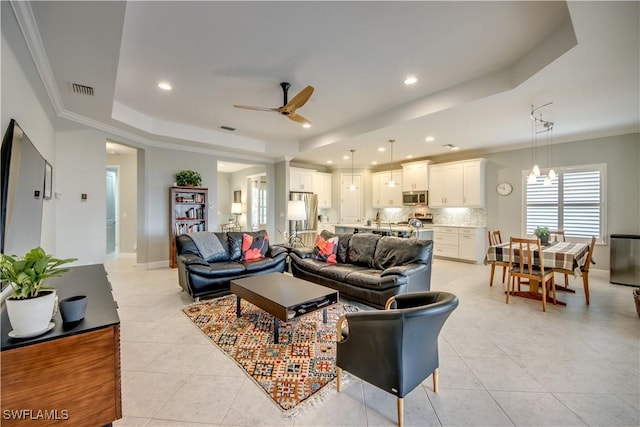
415	176
457	184
322	187
301	179
382	195
462	243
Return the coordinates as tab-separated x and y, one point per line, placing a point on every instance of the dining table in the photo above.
562	257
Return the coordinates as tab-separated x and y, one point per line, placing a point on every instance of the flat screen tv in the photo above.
21	193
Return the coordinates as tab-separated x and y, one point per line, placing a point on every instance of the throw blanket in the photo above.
208	244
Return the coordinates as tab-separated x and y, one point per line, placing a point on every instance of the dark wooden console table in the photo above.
69	376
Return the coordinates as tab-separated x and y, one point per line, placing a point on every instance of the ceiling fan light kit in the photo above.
288	108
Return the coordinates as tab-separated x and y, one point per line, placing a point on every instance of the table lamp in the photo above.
236	209
296	211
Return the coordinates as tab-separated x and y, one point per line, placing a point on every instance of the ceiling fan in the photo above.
288	108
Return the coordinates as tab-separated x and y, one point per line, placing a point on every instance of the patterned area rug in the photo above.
291	372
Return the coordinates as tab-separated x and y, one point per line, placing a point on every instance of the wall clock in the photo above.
504	188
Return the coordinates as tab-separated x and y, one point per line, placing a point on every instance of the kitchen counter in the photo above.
395	229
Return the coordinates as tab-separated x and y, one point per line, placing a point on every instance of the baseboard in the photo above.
153	265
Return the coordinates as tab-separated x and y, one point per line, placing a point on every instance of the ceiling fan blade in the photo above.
299	100
298	118
249	107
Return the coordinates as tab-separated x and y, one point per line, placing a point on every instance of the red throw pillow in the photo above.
254	246
325	250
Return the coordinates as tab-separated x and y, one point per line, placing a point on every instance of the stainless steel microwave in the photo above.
415	198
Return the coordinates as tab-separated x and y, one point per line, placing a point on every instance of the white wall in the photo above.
81	161
25	100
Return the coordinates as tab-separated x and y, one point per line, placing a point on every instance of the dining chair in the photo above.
559	236
394	349
495	239
526	262
584	270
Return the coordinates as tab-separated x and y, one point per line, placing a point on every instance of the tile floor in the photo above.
499	364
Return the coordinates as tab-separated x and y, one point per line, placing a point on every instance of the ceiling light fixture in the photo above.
429	139
374	162
329	161
409	156
306	125
381	149
345	157
410	80
547	126
391	182
352	187
164	86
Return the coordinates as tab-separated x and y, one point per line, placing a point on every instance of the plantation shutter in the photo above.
542	205
582	203
574	202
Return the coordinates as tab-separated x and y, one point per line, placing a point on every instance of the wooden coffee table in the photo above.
283	296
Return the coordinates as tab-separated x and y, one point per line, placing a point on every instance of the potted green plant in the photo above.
542	233
188	178
30	306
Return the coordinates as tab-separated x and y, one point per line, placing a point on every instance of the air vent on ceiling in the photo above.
227	128
82	89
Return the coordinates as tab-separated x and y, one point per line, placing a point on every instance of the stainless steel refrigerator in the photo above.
307	228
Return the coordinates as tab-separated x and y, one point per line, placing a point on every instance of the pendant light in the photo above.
547	127
352	187
391	182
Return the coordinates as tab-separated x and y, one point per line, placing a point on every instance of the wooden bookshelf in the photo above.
188	214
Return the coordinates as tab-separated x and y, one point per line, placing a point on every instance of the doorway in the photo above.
122	201
112	210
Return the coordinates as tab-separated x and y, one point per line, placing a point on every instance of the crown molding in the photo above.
29	28
134	137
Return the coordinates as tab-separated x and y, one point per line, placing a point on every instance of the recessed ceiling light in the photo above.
410	80
164	86
329	161
345	157
429	139
306	125
374	163
381	149
409	156
454	148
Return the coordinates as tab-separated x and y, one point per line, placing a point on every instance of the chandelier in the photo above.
547	128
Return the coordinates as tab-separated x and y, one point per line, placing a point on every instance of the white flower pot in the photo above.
33	315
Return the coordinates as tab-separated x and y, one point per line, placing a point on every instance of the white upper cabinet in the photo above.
415	176
322	187
383	196
301	179
457	184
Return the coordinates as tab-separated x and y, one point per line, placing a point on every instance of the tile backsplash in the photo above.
471	217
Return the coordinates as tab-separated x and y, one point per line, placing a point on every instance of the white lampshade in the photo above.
296	210
236	208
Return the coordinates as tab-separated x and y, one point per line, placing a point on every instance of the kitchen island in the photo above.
424	233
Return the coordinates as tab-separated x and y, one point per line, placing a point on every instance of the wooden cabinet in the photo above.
415	176
463	243
69	376
188	214
457	184
322	187
301	179
382	195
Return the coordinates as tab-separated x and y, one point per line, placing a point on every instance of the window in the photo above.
574	202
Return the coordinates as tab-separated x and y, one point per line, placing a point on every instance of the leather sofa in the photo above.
370	268
212	276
